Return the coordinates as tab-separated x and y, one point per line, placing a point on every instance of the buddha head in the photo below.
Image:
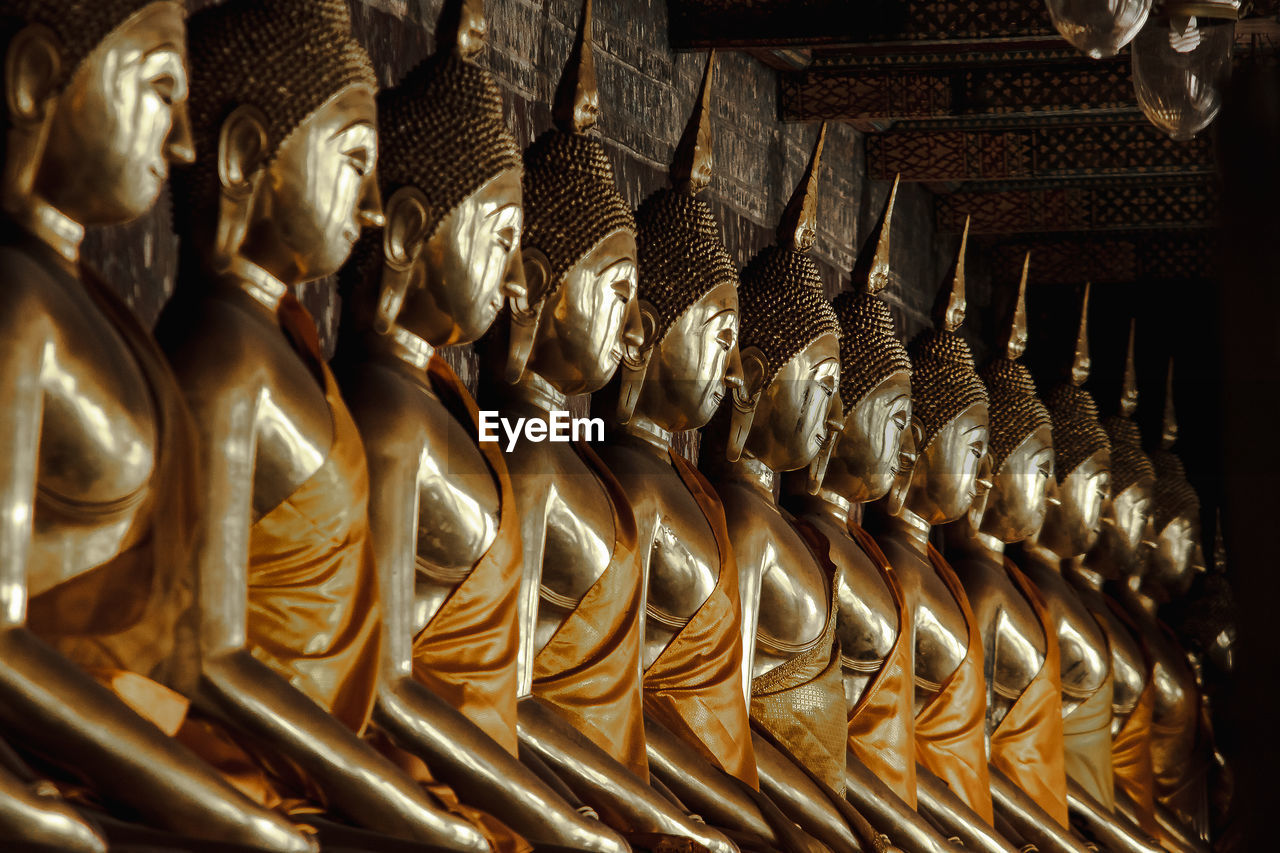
1126	512
875	377
790	342
449	172
97	98
282	105
1021	452
950	408
578	246
1081	458
1176	515
688	290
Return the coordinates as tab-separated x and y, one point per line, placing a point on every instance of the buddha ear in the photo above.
242	150
639	336
833	426
33	67
525	299
242	157
402	240
745	399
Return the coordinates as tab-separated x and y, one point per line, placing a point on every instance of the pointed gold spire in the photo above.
695	158
799	226
949	312
871	270
1169	426
465	19
1015	337
577	101
1129	389
1081	363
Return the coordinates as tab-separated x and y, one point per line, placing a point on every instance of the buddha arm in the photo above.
1178	833
357	781
49	702
1108	829
720	798
800	798
618	795
1172	837
456	750
939	804
29	819
888	812
1030	822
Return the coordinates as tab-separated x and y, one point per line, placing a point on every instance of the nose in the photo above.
633	333
369	212
180	146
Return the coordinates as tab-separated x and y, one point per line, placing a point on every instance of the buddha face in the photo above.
866	453
1124	521
467	268
1016	505
580	333
318	192
1073	517
694	364
944	482
1170	566
120	122
790	418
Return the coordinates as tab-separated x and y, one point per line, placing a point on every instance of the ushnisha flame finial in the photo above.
577	101
1015	336
872	267
1081	363
1129	389
465	19
694	159
799	225
950	310
1169	425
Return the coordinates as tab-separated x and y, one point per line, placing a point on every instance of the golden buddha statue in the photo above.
443	525
1020	645
581	591
1118	555
285	666
872	622
1082	472
96	484
698	737
779	422
1180	751
950	408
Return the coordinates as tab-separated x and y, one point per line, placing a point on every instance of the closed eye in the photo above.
165	85
361	160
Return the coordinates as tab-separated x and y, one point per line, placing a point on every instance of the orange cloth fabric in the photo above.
1131	760
950	729
694	687
1180	753
1131	745
590	668
125	613
882	722
801	702
1086	740
313	613
467	653
1027	745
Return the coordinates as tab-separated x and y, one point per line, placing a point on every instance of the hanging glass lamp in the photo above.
1179	67
1099	28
